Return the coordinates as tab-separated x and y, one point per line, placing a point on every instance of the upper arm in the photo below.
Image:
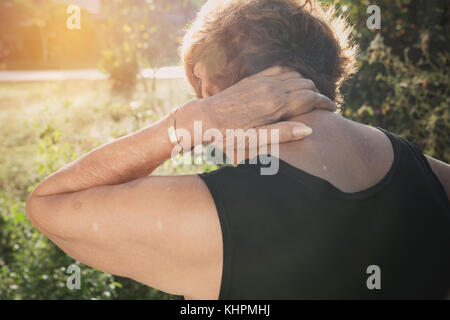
161	231
442	171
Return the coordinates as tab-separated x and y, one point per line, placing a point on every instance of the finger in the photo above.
325	103
300	102
288	75
273	71
292	77
299	84
254	138
282	132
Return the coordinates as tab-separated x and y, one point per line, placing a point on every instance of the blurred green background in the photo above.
402	86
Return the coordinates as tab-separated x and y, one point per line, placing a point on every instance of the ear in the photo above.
198	70
208	86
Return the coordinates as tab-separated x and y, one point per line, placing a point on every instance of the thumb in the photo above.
286	131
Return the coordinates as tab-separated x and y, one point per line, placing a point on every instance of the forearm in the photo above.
128	158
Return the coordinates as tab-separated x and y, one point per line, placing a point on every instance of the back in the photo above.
296	236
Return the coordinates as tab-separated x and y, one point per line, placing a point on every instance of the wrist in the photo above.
200	110
206	113
185	118
192	120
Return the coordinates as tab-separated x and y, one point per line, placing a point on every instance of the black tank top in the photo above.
295	236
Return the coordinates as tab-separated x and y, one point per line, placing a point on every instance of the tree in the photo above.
34	35
402	83
141	34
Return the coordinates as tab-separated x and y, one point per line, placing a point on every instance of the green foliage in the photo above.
140	34
403	83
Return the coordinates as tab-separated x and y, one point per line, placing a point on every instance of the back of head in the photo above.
234	39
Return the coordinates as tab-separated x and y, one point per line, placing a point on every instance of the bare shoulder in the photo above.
442	171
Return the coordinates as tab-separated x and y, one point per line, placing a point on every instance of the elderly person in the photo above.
347	201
